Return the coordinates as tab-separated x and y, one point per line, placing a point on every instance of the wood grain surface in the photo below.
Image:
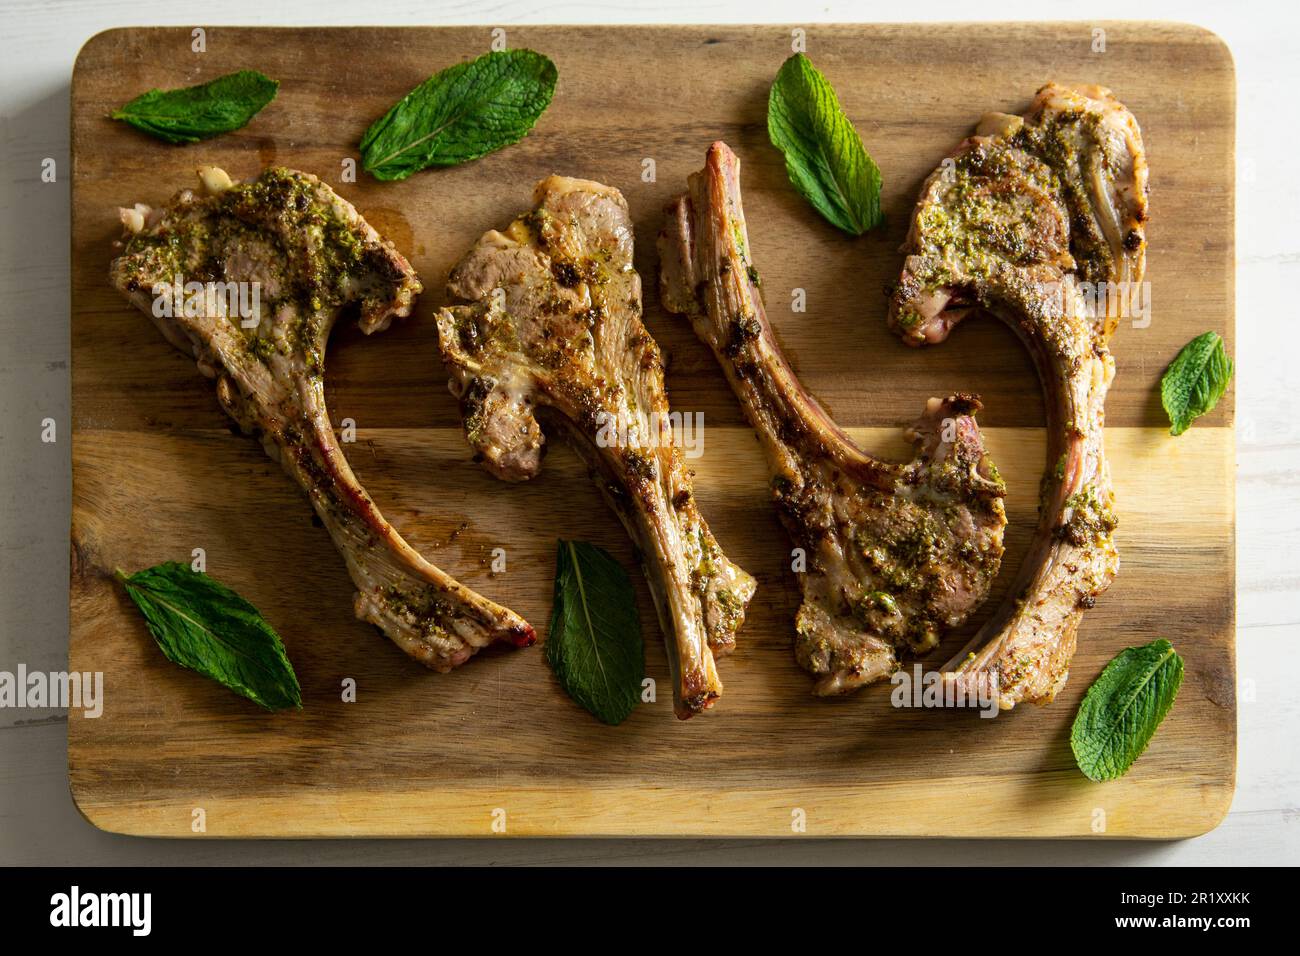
157	472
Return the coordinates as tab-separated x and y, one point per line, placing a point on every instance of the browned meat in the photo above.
895	552
309	257
553	328
1039	221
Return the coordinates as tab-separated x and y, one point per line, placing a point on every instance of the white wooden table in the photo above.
40	825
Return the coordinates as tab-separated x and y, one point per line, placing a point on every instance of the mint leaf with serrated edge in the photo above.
461	113
824	155
1195	381
200	112
201	624
594	645
1122	709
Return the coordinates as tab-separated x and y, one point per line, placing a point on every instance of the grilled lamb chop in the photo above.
1038	220
310	257
553	328
895	552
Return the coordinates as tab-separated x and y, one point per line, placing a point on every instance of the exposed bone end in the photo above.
688	707
214	180
696	690
440	648
521	635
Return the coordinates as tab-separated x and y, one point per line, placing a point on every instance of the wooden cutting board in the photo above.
158	473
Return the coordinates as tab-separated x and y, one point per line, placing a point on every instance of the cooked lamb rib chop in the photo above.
1038	220
895	552
310	257
553	328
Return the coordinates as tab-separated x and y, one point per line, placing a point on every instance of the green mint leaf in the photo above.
205	626
200	112
1195	381
824	155
462	113
1122	709
594	646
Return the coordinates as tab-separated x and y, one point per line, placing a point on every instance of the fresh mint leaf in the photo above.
205	626
594	645
1195	381
200	112
463	112
824	155
1122	709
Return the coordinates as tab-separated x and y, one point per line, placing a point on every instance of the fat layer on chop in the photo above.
551	329
896	552
277	261
1039	220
